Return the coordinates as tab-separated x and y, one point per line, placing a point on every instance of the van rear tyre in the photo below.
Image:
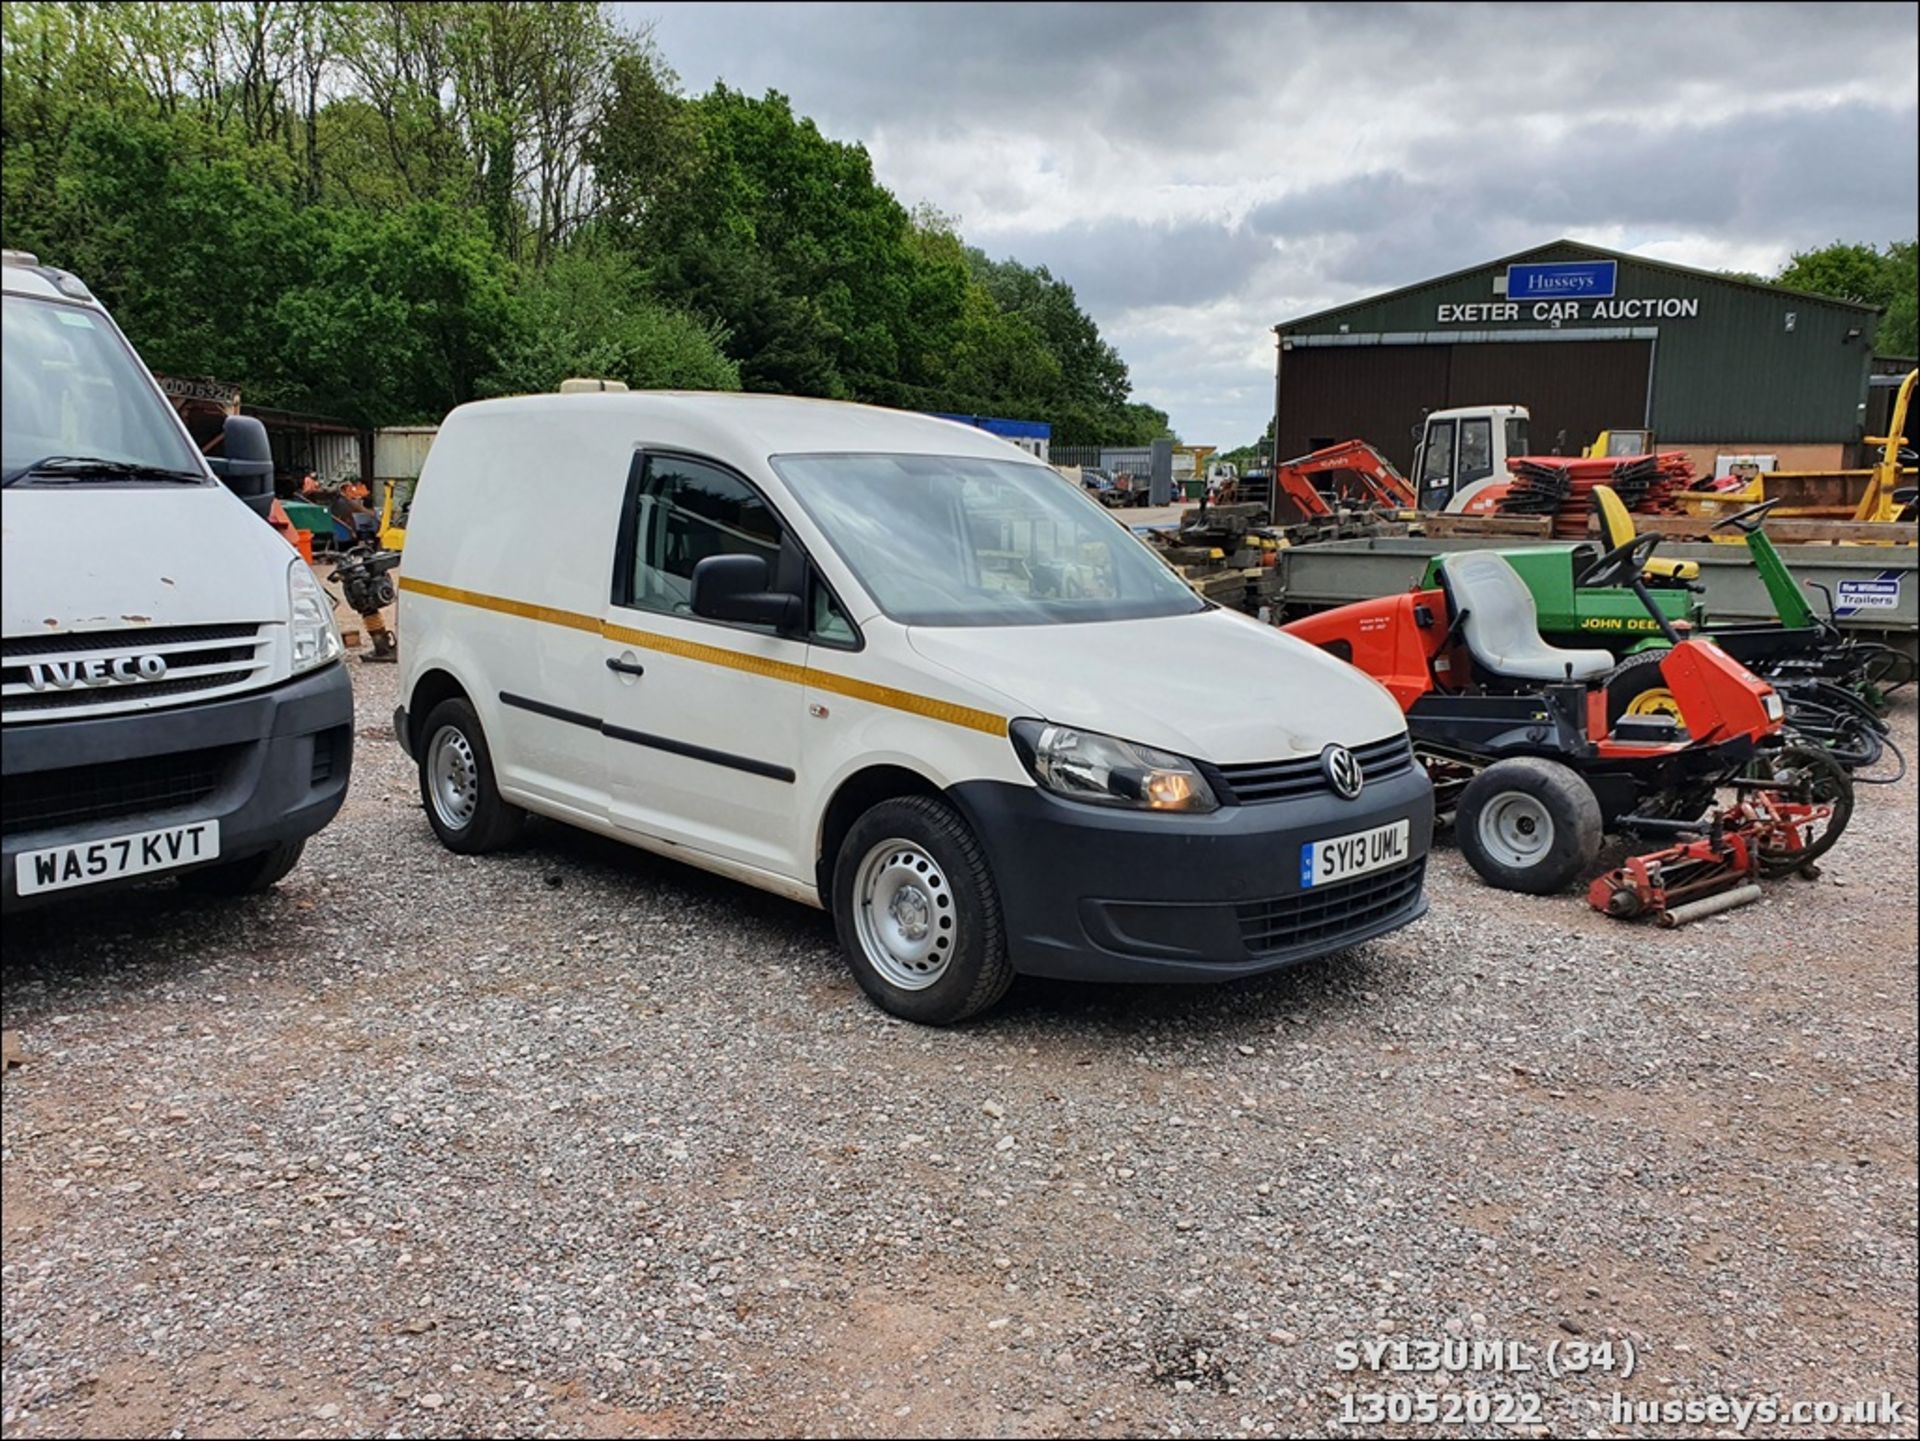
918	914
464	806
1528	825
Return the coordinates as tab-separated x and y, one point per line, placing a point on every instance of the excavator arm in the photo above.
1374	480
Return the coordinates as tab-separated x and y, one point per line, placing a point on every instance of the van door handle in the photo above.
625	667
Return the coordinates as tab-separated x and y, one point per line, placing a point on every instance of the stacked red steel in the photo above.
1562	486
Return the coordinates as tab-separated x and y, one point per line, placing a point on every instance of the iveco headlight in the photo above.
315	640
1085	766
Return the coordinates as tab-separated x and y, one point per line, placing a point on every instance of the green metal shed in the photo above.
1590	339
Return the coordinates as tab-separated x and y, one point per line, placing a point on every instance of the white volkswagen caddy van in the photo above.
895	667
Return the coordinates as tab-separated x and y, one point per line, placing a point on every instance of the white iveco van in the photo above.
892	666
174	699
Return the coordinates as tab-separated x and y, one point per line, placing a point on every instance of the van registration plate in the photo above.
57	867
1341	858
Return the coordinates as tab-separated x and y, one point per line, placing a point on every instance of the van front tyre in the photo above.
917	912
247	876
463	804
1528	825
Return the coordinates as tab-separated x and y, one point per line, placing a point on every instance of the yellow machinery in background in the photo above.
1610	443
1867	496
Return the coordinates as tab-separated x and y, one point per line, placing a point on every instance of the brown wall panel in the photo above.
1379	393
1580	386
1372	392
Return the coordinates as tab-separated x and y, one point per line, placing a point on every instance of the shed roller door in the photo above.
1580	386
1380	393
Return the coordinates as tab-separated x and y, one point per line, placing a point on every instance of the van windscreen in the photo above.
961	541
74	388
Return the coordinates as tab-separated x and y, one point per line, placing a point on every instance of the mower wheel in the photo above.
1636	687
1528	825
1805	773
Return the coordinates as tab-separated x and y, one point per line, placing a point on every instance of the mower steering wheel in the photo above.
1621	566
1747	520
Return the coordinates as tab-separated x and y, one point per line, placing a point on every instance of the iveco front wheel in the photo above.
917	912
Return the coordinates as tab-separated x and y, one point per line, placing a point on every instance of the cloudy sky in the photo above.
1200	172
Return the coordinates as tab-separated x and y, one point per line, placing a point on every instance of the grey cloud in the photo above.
1243	163
1804	176
1118	265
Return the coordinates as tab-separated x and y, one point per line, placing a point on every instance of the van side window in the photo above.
827	624
686	512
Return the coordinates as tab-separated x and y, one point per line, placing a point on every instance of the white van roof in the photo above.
738	428
23	274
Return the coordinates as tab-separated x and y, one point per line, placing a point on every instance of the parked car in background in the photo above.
889	666
1100	485
174	697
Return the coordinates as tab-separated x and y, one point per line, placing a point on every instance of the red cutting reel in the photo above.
1761	835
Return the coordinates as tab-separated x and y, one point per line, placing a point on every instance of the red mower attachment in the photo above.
1763	834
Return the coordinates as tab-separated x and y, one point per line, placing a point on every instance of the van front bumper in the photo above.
269	765
1096	894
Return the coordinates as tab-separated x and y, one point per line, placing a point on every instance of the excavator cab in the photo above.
1616	527
1463	451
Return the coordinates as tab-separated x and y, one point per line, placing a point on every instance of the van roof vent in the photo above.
19	257
585	386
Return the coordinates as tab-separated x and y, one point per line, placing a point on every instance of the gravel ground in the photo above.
576	1141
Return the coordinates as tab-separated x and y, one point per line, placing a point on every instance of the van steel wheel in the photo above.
453	777
904	914
1528	825
918	914
463	805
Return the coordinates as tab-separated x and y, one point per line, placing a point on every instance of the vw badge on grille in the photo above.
1343	771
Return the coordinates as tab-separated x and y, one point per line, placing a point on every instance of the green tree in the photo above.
783	237
402	316
379	208
1885	277
171	227
587	314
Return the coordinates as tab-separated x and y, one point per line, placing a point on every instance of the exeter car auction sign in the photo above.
1563	290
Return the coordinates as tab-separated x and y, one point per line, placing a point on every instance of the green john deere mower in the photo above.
1835	684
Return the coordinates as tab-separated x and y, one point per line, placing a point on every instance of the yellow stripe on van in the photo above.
573	620
948	712
886	695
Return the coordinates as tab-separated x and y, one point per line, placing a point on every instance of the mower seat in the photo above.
1501	628
1616	526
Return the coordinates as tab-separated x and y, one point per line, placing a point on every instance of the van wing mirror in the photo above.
734	587
244	462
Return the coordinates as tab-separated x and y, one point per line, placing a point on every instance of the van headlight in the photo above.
315	639
1103	771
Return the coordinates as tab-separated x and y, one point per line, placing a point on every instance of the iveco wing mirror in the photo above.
245	462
